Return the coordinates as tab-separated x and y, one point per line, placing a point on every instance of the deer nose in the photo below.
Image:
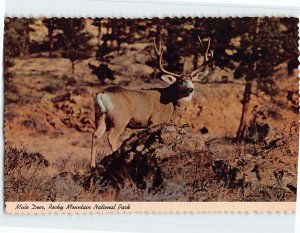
190	90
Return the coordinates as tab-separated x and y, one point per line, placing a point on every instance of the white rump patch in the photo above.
104	102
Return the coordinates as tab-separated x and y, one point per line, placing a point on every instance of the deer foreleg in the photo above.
113	139
114	134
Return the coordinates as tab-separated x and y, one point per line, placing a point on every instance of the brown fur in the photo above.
134	109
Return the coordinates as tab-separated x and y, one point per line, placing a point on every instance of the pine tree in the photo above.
52	25
16	42
20	29
10	49
97	22
261	45
76	45
102	46
179	42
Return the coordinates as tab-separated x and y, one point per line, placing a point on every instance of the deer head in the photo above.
184	83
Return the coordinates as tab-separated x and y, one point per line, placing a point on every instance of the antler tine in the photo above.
207	49
211	53
155	47
159	51
205	53
201	43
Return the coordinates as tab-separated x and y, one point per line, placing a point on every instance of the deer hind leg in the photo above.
100	130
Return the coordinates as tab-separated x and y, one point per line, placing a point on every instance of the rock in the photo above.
204	130
61	98
257	132
154	157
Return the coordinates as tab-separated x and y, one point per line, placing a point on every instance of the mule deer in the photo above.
117	108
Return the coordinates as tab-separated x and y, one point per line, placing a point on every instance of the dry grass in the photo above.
30	177
222	172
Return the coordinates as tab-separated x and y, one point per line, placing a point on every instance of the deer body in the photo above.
117	108
126	106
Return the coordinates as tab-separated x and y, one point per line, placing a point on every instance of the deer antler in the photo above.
159	52
207	55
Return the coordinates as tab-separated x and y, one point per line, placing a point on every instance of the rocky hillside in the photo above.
163	163
50	112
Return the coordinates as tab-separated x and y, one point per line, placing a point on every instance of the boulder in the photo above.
153	158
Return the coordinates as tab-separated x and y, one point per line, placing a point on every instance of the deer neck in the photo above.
170	95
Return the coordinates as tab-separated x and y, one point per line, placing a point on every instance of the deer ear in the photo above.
168	78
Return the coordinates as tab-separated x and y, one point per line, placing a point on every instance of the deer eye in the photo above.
180	82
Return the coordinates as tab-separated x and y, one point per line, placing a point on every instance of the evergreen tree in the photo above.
8	58
257	46
261	50
179	42
16	42
261	44
19	30
52	25
97	22
10	48
76	45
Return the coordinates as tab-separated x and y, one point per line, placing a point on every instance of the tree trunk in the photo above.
245	112
50	35
99	34
27	39
119	46
157	33
250	76
157	40
195	59
73	68
195	32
